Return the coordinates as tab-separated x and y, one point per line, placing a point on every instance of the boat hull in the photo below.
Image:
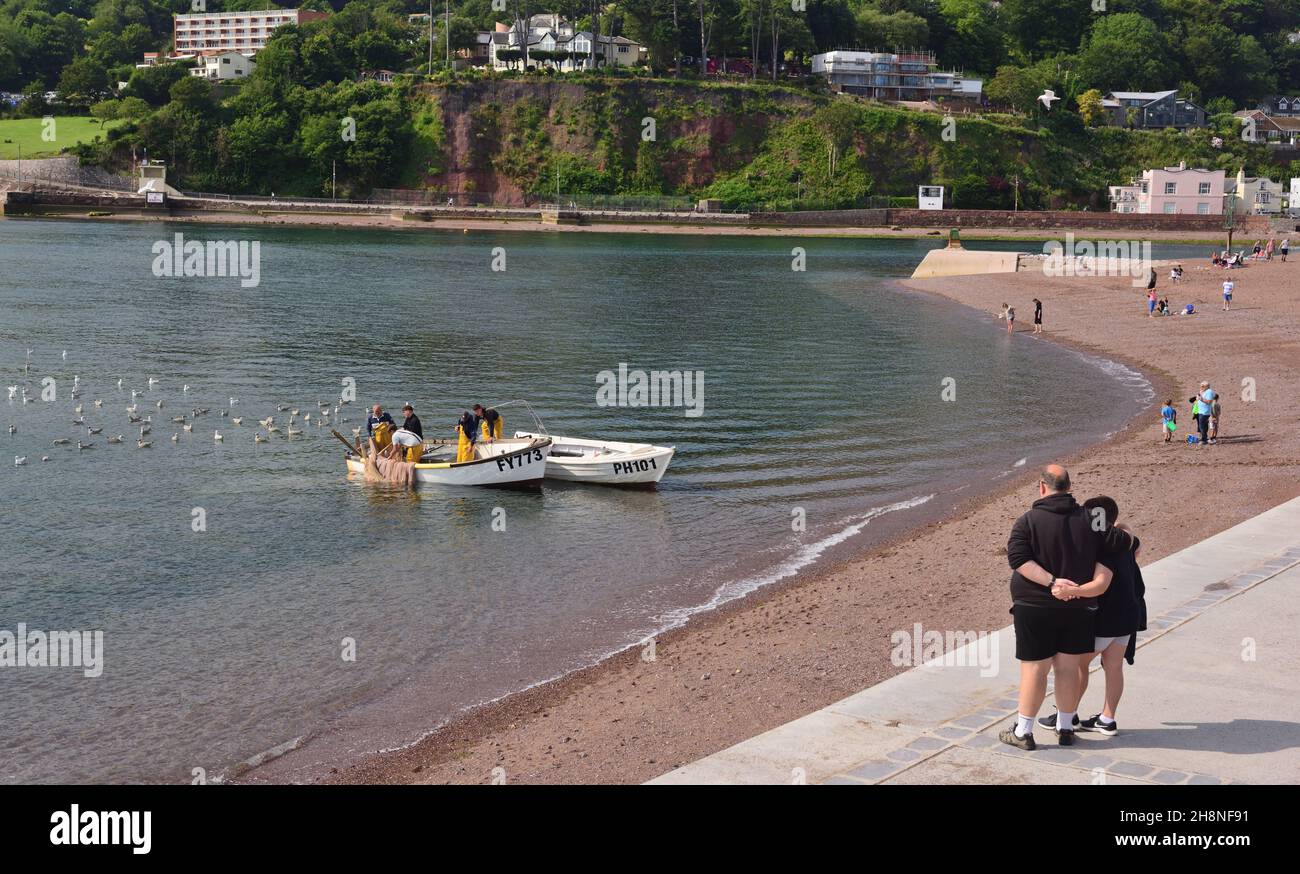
504	463
605	462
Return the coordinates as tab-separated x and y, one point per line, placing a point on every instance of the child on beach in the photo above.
1008	313
1162	308
1151	302
1286	244
1228	285
1038	316
1169	420
1215	409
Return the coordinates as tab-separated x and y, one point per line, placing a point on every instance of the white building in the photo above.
899	77
550	33
1258	196
245	32
222	66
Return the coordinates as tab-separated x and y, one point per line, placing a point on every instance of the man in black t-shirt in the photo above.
1053	549
412	421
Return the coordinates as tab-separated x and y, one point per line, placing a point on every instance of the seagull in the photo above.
159	404
45	458
133	408
178	419
135	393
176	438
79	421
267	422
153	380
202	411
145	429
93	431
234	401
293	413
62	441
76	380
222	413
216	435
117	439
306	417
187	427
1047	98
119	383
294	432
13	429
65	354
99	403
258	438
185	389
238	420
77	409
20	459
283	408
273	429
81	447
13	391
133	418
143	444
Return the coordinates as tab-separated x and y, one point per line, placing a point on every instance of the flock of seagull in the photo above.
22	393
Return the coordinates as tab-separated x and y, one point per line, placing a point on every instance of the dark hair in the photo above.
1056	483
478	406
1169	402
1107	505
408	407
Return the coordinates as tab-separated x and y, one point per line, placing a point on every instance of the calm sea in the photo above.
823	402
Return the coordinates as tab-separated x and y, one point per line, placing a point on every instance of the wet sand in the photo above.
796	647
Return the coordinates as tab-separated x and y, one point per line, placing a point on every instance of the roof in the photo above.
1148	96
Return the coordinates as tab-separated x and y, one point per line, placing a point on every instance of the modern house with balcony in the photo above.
244	32
894	76
1151	110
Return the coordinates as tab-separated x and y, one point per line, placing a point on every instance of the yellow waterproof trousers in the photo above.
464	448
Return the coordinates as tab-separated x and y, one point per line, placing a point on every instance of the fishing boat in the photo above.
607	462
504	462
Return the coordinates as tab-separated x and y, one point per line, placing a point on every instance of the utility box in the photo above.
929	197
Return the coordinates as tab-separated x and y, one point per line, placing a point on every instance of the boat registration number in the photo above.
638	466
510	462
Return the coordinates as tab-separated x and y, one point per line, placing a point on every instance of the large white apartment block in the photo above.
244	32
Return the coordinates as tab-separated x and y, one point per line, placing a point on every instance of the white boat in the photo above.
499	463
607	462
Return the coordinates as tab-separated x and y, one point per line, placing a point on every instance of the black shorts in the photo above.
1042	632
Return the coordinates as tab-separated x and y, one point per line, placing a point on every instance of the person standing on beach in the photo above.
1038	316
1151	302
1286	244
1228	285
1052	550
1201	405
1168	420
1215	409
1009	313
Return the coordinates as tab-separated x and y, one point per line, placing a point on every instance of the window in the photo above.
1202	209
1170	208
1203	188
622	50
1171	188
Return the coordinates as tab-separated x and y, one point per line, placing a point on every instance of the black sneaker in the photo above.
1050	721
1065	738
1008	736
1094	723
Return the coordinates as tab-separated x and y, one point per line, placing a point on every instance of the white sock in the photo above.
1064	721
1104	720
1024	725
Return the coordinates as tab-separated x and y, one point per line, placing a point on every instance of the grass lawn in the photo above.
67	131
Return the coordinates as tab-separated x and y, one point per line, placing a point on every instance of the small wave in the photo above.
803	557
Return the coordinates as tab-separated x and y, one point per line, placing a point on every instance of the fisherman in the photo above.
379	427
490	422
412	421
466	432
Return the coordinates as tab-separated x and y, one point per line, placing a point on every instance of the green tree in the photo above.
1090	108
1126	52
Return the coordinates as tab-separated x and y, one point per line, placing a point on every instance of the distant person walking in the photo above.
1228	286
1038	316
1053	550
1151	302
1286	244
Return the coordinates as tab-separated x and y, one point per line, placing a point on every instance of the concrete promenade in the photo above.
1214	695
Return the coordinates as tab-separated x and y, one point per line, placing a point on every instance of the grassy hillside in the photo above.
67	131
777	147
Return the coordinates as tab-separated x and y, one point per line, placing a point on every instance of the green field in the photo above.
66	132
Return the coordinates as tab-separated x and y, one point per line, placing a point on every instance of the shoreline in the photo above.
466	225
672	711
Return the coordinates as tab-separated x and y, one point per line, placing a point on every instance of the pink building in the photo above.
1172	191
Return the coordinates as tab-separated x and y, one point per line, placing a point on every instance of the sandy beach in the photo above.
792	648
